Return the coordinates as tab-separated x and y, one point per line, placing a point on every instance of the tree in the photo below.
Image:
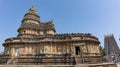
103	53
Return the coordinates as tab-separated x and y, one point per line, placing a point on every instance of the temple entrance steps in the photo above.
12	61
78	59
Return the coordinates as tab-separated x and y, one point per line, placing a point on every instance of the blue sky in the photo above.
98	17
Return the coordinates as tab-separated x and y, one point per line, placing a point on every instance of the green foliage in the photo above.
103	53
102	50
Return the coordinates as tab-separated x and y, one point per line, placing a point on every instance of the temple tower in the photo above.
111	48
111	45
32	26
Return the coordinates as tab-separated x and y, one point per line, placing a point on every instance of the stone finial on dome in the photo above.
32	9
31	15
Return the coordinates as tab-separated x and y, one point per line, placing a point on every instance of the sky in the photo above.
98	17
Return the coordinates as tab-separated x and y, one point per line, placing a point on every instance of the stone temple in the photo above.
111	48
38	43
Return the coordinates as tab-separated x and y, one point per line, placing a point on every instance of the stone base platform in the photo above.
97	65
78	65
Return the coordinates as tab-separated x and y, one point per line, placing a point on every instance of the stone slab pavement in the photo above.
118	64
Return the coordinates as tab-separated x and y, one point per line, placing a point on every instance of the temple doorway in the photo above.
77	50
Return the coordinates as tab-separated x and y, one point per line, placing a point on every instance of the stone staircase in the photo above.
12	61
78	59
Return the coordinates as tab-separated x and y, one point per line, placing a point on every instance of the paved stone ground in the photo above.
78	65
37	66
118	64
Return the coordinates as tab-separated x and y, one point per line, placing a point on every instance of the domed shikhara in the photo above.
32	15
38	38
31	25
